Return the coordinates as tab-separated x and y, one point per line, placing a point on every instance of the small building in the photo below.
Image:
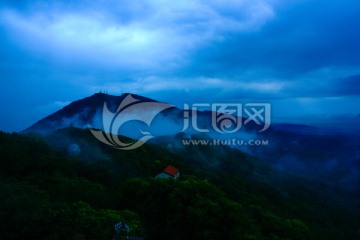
169	172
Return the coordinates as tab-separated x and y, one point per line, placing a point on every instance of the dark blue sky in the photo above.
302	56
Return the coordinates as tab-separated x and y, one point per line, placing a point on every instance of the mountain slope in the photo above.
302	150
56	194
81	113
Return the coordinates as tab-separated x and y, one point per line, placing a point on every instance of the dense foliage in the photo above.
48	193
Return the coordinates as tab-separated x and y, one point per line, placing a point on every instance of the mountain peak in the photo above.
81	112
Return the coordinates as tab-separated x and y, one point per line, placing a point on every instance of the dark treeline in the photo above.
48	193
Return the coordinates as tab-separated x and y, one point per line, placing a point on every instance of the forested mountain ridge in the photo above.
51	192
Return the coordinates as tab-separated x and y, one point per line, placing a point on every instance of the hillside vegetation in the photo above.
49	192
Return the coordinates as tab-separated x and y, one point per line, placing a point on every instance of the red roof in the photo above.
171	170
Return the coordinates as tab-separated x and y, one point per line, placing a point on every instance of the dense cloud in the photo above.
291	54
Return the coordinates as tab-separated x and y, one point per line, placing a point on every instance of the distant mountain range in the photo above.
88	113
308	167
297	149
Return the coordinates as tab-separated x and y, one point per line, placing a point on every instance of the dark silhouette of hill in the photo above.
54	193
80	113
307	152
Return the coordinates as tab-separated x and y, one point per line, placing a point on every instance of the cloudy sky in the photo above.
303	56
